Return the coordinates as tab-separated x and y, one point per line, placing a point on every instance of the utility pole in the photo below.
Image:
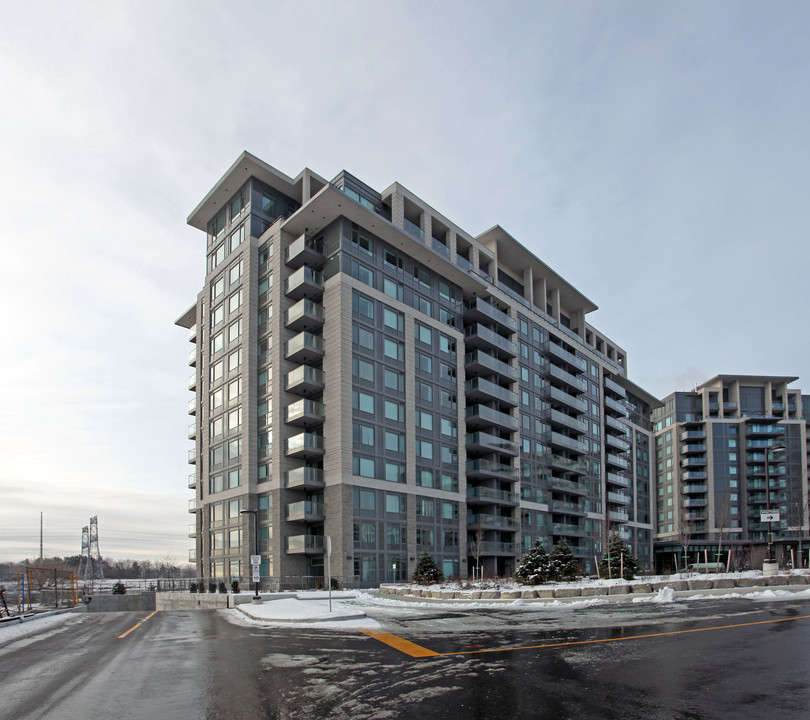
40	535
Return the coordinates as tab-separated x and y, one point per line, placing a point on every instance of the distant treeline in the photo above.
115	569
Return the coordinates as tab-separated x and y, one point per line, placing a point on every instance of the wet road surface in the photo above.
701	660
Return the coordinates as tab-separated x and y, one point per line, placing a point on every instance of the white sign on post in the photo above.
769	516
255	566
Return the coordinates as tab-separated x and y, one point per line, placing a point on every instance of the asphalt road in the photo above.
700	660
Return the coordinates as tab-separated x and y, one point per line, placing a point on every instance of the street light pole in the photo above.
255	514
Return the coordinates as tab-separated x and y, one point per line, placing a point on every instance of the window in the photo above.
392	288
393	319
393	380
234	419
364	499
394	503
217	370
237	238
217	343
234	448
217	427
236	272
234	301
394	411
393	350
422	276
394	472
363	337
423	333
447	399
363	306
447	345
446	291
234	389
449	511
217	315
364	467
392	260
364	402
363	243
218	287
425	449
234	479
424	478
424	420
449	482
448	427
361	272
395	442
234	359
363	369
233	331
424	362
216	399
446	372
449	455
425	507
424	391
446	317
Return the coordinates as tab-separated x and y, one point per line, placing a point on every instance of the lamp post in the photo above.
255	514
768	450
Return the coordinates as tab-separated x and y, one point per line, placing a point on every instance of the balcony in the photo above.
617	461
305	511
304	348
304	282
305	544
192	357
192	333
479	416
618	479
558	440
482	363
693	448
192	431
692	462
566	507
304	478
304	381
613	424
566	464
192	381
192	406
479	388
192	555
192	530
560	356
615	388
687	435
500	548
192	481
617	443
305	446
569	486
555	417
618	516
192	456
571	382
304	251
304	315
560	397
192	505
694	489
479	469
619	498
567	529
479	336
616	406
694	503
693	475
481	310
492	522
304	413
483	442
760	429
491	496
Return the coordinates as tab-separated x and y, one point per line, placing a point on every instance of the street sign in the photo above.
769	516
255	566
255	559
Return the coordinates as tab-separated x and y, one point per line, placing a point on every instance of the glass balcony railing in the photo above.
304	478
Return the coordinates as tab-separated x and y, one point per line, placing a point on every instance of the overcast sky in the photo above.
656	155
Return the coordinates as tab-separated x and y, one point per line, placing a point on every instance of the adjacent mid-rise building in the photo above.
719	450
366	371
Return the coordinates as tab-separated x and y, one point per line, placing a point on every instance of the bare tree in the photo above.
477	548
685	532
722	516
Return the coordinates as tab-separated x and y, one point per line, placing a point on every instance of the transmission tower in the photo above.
90	567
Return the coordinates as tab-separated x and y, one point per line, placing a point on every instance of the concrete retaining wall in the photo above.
120	603
697	584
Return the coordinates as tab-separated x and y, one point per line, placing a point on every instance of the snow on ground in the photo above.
16	631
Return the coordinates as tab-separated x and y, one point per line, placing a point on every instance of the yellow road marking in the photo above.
405	646
137	625
414	650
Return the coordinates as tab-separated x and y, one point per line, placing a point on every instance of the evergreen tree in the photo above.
533	567
618	555
562	563
426	570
